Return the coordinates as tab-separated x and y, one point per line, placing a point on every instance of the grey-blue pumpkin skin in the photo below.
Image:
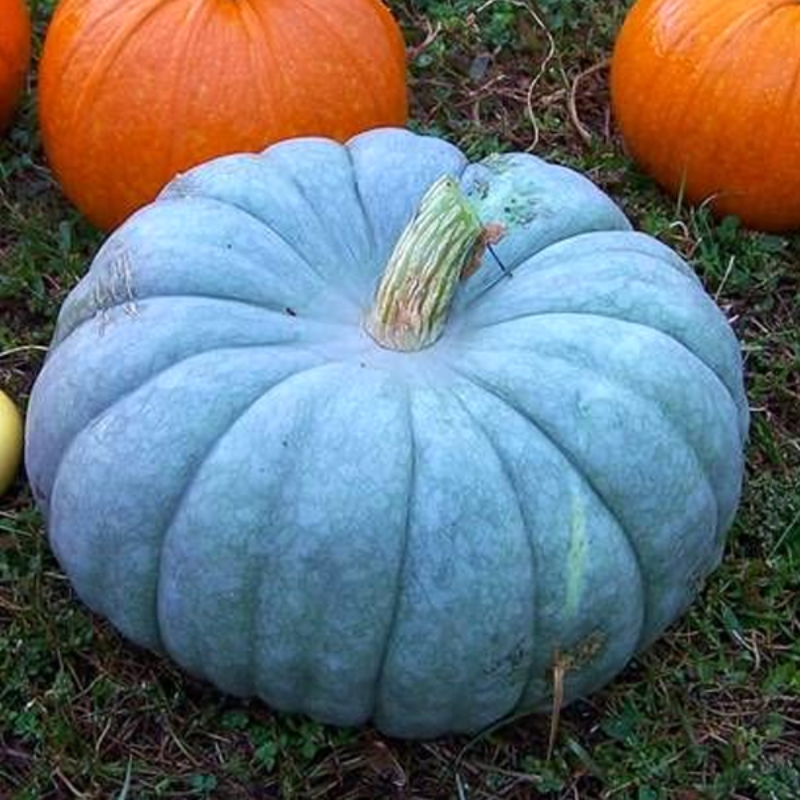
234	473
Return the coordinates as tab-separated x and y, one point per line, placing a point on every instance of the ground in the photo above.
711	711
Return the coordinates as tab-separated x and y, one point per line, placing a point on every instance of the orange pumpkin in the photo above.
707	97
133	92
15	55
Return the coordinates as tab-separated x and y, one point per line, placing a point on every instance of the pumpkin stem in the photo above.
443	244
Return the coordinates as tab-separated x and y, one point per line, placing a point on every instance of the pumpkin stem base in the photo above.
442	245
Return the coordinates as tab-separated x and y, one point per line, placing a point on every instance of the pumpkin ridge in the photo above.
556	267
369	227
684	34
511	478
535	262
325	280
714	96
82	322
353	54
791	96
400	583
313	209
100	19
483	386
658	331
187	489
100	71
663	75
278	310
678	266
182	95
667	418
275	43
175	196
97	586
262	29
704	73
150	378
520	710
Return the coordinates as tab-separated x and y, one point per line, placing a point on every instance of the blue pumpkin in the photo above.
236	470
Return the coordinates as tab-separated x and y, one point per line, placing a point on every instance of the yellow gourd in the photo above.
10	442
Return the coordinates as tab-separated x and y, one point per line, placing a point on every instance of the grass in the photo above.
711	712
